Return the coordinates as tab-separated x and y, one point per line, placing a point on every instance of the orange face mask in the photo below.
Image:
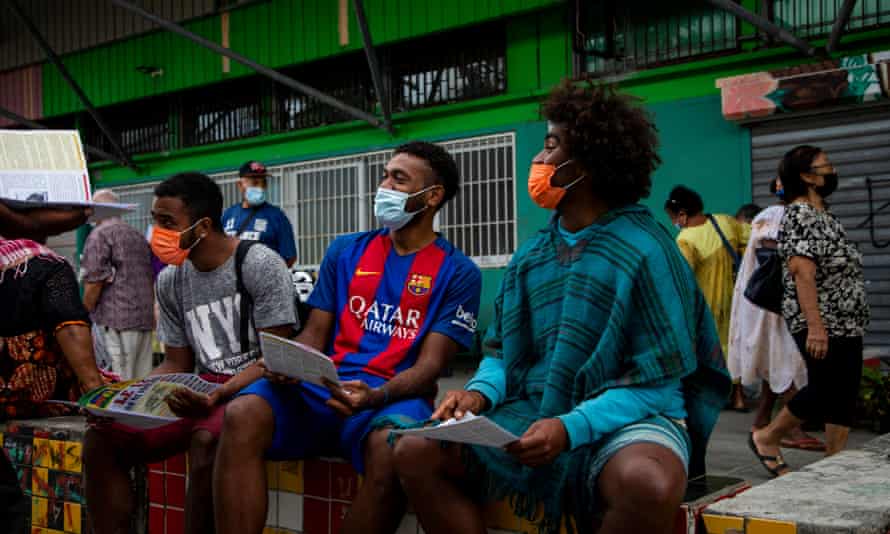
542	192
165	244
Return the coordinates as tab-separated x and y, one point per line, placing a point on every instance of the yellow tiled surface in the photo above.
39	511
72	518
290	476
40	481
768	526
72	456
720	524
499	515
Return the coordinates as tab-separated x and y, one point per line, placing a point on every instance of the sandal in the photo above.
762	458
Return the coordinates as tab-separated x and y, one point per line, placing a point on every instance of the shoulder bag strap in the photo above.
732	252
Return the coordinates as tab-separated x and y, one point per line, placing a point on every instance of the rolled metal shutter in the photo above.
858	144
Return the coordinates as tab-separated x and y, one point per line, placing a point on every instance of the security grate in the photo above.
615	37
812	18
222	113
451	67
141	127
330	197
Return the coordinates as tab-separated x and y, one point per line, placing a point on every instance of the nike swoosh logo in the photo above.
360	272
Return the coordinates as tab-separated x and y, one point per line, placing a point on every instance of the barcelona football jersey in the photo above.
385	303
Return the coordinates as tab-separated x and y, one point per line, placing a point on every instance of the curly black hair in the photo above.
610	136
201	196
681	198
439	160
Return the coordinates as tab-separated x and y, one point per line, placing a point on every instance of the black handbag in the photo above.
765	288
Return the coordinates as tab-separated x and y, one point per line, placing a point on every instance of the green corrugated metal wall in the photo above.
275	33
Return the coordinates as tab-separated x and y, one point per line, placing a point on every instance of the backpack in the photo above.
247	299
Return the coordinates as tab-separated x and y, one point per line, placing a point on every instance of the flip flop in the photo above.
762	458
804	444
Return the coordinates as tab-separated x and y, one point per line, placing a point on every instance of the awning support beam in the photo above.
373	64
837	30
765	25
55	60
247	62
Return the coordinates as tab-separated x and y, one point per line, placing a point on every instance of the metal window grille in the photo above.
615	38
451	67
222	113
330	197
142	126
346	78
812	18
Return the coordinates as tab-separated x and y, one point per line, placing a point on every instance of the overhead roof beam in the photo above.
376	75
765	25
55	60
261	69
18	119
837	30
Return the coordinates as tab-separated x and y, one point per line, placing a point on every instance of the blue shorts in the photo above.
305	426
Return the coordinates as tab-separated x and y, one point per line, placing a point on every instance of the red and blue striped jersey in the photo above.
385	304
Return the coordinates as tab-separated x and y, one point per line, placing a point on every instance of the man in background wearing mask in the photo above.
391	307
118	292
254	219
199	325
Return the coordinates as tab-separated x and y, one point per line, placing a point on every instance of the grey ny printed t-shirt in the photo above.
200	310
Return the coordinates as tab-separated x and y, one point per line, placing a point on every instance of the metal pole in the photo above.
837	30
261	69
765	25
55	60
373	64
37	126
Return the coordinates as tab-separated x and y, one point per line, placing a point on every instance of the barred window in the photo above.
615	37
450	67
142	126
814	18
222	112
346	78
330	197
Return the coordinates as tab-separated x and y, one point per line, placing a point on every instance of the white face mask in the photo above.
389	207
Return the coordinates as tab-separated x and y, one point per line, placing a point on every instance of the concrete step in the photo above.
848	493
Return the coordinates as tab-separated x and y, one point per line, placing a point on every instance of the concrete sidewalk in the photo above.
728	452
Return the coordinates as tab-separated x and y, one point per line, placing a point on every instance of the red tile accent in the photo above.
156	492
176	464
155	520
317	478
338	514
175	521
159	466
316	516
344	482
175	491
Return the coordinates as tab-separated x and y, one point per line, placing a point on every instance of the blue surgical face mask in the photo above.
254	196
389	207
780	193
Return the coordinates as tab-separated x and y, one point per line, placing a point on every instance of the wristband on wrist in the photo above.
385	395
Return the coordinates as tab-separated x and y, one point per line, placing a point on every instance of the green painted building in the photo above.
470	74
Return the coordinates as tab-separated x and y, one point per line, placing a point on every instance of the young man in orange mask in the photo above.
200	326
604	359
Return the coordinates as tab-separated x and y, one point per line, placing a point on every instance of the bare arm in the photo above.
76	341
803	270
318	329
39	223
250	374
176	360
418	380
91	293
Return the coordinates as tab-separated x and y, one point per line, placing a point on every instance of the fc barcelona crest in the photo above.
420	284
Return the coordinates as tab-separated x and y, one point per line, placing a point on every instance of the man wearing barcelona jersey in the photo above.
391	307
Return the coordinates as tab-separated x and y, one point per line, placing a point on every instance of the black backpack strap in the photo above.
246	298
736	261
245	222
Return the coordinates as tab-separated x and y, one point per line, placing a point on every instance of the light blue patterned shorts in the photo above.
658	429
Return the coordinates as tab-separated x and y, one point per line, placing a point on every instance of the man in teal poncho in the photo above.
605	359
